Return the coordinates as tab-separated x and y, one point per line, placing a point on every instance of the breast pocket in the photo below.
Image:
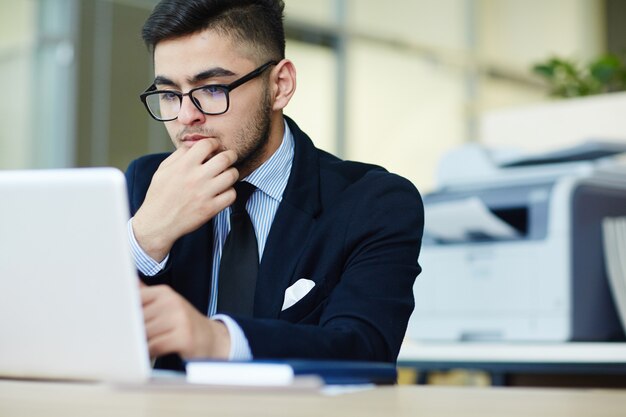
303	307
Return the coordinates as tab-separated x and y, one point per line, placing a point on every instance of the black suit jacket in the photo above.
352	228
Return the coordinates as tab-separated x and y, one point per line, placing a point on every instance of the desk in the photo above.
503	360
34	399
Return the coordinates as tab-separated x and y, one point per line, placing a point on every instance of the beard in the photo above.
251	141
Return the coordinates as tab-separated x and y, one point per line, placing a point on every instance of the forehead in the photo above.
191	54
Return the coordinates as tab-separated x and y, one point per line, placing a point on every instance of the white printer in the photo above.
513	252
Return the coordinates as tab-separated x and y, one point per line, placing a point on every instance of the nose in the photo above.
189	113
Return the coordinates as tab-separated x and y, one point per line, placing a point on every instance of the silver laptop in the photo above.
69	296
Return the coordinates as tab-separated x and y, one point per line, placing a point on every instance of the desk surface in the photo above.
33	399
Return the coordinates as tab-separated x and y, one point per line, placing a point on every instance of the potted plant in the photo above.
566	78
589	105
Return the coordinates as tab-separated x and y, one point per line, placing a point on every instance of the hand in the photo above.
175	326
190	187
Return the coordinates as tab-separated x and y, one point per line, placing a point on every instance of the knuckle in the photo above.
161	289
211	142
232	155
154	348
191	180
230	195
208	145
234	174
221	159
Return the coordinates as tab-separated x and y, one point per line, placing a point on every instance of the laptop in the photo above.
69	297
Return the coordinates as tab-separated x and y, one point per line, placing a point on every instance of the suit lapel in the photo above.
291	227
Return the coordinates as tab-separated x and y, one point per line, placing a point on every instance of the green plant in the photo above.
567	78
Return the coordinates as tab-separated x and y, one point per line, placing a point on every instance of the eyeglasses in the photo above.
210	99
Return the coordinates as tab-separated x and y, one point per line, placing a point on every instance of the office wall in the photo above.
420	75
37	65
314	106
17	42
515	33
115	67
406	99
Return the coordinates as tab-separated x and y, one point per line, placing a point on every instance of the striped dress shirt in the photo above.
270	179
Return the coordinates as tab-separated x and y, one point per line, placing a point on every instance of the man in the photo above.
328	257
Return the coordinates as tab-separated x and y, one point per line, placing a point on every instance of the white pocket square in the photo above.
297	291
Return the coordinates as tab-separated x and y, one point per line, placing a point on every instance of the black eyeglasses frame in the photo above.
226	87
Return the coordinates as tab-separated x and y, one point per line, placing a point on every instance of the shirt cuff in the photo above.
239	347
145	264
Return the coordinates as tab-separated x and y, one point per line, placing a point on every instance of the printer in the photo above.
512	251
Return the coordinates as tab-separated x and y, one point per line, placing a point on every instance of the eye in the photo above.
211	91
168	97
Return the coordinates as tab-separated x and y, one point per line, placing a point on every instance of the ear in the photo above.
284	83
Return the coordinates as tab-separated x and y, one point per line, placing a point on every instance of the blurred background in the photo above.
396	83
393	83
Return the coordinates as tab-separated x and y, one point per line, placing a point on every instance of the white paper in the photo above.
614	243
457	220
232	373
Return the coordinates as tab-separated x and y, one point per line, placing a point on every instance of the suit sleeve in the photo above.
366	314
138	177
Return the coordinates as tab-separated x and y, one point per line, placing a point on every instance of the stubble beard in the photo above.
252	139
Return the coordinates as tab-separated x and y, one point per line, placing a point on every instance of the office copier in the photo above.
513	251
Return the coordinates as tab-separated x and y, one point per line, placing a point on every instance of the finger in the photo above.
165	302
220	162
202	151
219	193
157	325
173	157
158	298
152	310
152	294
148	295
226	198
162	344
223	181
170	332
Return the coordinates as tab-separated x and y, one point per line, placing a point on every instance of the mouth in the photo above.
190	140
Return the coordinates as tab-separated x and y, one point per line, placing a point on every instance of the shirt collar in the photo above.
272	176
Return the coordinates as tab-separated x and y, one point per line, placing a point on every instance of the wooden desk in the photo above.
34	399
598	361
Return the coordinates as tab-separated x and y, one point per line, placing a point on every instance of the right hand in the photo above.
173	325
188	189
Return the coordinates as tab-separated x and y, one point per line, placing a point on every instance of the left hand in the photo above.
173	325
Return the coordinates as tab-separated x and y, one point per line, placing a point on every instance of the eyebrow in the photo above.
201	76
210	73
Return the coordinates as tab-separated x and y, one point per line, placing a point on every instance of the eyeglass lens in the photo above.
209	99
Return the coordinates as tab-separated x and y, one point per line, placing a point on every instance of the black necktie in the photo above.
240	259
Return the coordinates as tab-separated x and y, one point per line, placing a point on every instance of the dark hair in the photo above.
257	23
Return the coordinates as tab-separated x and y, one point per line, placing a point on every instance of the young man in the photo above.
322	256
